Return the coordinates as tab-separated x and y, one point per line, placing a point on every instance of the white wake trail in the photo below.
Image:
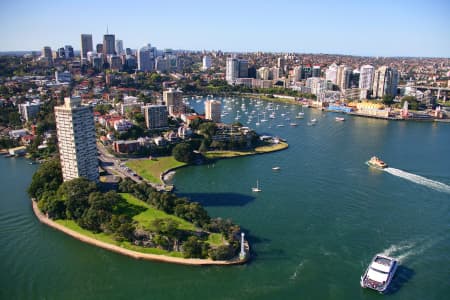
436	185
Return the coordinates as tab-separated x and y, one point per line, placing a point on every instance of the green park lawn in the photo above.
258	150
151	169
143	214
149	214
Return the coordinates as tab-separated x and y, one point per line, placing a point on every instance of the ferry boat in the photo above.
377	163
379	274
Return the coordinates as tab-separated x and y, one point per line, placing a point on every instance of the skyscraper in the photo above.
155	116
145	58
236	68
207	62
243	68
119	47
331	73
99	48
385	82
315	71
343	77
174	101
76	140
86	45
213	109
68	51
232	70
47	54
109	44
366	73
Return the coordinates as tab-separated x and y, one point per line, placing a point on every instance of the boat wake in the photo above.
435	185
297	270
400	251
407	249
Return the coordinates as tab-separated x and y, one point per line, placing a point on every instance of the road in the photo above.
115	166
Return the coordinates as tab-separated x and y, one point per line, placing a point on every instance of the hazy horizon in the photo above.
383	28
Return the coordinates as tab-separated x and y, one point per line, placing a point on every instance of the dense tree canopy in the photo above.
183	152
48	177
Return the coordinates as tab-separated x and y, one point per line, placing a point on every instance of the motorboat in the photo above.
379	274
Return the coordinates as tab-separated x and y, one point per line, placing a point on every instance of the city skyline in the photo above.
403	28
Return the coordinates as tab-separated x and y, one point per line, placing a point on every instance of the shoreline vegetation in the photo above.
130	253
218	154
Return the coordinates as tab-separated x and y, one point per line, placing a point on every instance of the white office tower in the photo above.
343	77
213	110
232	70
207	62
174	102
76	140
145	59
331	73
366	73
385	82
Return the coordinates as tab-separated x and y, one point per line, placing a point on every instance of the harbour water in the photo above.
313	229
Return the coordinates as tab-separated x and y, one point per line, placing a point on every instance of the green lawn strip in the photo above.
146	217
215	239
271	148
151	169
228	154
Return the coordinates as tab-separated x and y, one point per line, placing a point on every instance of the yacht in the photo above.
276	168
379	274
256	189
340	119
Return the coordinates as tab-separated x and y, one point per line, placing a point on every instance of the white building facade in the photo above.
76	140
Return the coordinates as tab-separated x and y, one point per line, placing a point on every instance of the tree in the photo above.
75	194
195	248
103	108
388	100
222	252
47	178
208	129
183	153
412	102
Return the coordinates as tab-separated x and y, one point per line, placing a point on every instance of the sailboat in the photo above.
256	189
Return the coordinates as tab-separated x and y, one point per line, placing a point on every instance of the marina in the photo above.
315	219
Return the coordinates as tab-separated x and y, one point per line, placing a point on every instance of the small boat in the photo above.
280	125
379	274
340	119
314	120
256	189
276	168
377	163
293	124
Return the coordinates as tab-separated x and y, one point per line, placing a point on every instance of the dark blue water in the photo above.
313	229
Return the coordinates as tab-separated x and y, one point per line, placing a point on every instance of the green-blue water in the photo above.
313	229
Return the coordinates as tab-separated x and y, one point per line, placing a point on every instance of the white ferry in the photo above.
379	274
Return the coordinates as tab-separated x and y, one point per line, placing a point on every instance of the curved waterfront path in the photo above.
134	254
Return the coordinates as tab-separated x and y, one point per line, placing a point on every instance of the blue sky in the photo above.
377	27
